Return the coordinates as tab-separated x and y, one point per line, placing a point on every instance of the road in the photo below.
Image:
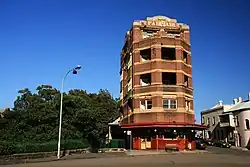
217	157
228	151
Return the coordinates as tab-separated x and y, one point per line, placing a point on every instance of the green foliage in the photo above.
15	148
33	122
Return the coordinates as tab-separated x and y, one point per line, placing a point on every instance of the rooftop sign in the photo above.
161	21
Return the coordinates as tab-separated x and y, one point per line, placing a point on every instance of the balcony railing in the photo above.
224	124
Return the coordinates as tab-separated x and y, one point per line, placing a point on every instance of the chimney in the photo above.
220	103
239	99
249	96
235	101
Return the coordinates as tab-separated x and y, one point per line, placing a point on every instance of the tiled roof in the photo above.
240	106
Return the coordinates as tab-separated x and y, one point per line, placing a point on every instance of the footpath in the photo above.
110	154
239	148
162	152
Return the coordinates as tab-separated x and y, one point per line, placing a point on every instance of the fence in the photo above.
116	143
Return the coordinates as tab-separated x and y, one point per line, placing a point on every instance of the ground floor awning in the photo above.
162	125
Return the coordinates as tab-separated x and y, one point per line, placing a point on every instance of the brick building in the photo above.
156	87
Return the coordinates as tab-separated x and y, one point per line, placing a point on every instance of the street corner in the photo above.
239	148
195	151
163	152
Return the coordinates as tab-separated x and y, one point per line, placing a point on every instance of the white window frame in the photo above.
169	103
146	104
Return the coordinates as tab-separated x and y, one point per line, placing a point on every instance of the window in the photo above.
149	104
208	121
145	79
169	104
173	34
185	55
247	124
148	33
145	104
169	78
145	55
203	120
129	73
168	53
187	105
121	87
185	80
213	120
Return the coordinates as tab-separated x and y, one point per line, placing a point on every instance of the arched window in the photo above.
247	123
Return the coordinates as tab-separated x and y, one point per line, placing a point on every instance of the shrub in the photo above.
7	148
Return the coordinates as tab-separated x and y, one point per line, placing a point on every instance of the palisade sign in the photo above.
162	23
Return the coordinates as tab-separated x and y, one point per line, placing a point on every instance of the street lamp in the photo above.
74	71
156	139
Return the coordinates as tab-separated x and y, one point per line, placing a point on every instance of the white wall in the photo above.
244	133
214	129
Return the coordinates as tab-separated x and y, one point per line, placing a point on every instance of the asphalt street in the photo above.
228	151
216	157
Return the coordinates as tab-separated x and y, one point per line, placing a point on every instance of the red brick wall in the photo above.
171	65
166	116
137	36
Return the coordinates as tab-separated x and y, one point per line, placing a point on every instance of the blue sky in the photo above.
40	40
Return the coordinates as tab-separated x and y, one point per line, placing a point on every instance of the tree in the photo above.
35	116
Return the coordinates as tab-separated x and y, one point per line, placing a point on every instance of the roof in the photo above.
116	122
240	106
212	109
225	108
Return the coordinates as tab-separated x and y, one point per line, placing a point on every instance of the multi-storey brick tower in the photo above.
156	77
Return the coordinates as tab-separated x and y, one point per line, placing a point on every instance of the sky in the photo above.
40	40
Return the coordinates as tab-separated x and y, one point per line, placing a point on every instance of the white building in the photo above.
230	122
211	119
241	115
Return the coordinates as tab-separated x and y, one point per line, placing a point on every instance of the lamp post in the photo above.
74	71
156	139
129	137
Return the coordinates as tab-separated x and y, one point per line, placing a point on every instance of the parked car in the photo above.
201	145
217	143
210	142
222	144
225	144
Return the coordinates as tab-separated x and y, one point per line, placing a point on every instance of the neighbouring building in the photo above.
156	87
219	123
228	122
241	117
